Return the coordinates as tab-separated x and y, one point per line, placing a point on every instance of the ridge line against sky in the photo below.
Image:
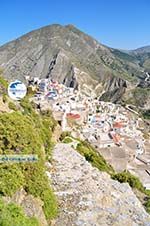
122	24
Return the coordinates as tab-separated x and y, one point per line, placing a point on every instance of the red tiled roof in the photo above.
118	125
73	116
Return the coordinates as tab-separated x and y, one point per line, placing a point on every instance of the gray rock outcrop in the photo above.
90	197
32	206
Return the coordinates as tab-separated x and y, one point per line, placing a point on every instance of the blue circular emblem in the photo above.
17	90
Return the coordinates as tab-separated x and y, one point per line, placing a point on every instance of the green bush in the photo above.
11	179
46	135
67	140
147	192
3	82
27	134
47	114
43	122
44	126
26	105
65	134
12	106
90	154
37	184
147	205
12	215
127	177
18	135
146	114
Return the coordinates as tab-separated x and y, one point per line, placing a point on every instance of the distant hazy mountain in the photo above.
72	57
145	49
143	55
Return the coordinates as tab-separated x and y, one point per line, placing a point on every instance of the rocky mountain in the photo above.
143	55
142	50
72	57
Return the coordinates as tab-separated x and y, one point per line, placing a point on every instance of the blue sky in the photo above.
121	24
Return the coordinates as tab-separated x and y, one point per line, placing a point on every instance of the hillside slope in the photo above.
143	55
89	197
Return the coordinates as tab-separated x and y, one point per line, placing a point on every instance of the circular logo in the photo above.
17	90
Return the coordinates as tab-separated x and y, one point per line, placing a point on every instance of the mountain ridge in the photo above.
70	56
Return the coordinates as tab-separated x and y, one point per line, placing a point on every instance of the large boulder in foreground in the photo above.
90	197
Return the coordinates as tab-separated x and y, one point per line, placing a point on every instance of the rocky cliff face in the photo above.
114	89
143	56
68	55
32	206
89	197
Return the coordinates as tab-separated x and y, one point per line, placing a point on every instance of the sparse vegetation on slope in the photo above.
92	156
85	149
141	96
127	177
3	82
27	133
146	114
12	215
